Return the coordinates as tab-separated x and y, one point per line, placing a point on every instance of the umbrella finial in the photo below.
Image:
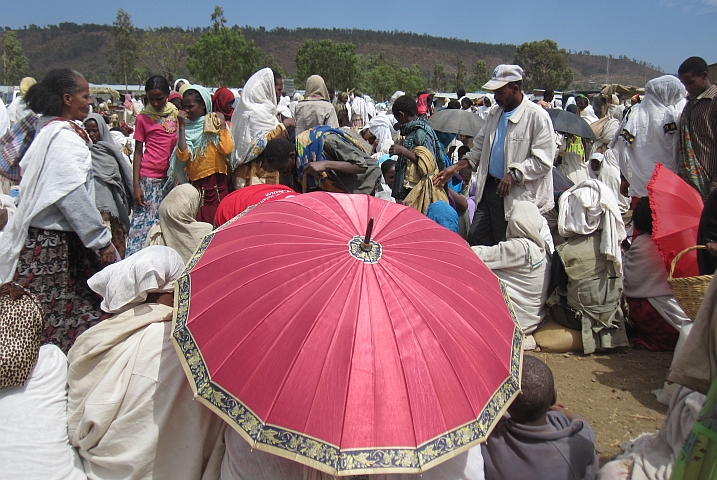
366	244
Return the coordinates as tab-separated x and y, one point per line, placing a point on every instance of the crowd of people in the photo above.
102	211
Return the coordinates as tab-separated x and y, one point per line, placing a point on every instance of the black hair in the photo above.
572	108
519	83
694	65
460	93
387	165
537	392
157	82
277	152
277	76
548	94
466	100
462	150
197	97
46	97
454	105
642	216
405	104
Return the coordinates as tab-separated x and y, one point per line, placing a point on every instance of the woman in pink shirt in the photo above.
155	137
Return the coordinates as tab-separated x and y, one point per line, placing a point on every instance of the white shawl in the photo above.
609	174
381	127
590	206
131	412
255	112
650	133
125	284
43	183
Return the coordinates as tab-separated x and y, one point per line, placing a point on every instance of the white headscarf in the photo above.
255	112
177	227
126	284
381	127
394	97
590	206
650	133
43	184
526	222
4	119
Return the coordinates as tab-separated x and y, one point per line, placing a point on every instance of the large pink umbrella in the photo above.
349	355
676	210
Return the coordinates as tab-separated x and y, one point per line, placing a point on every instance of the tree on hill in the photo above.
124	50
439	77
460	74
166	49
480	74
269	61
222	56
336	62
544	65
383	80
14	62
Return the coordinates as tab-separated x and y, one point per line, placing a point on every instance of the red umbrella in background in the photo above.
347	333
676	209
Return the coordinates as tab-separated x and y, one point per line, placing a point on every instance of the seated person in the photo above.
539	440
131	412
590	297
177	227
33	424
693	373
388	173
520	262
241	462
656	317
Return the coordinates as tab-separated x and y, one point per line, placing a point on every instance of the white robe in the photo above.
131	410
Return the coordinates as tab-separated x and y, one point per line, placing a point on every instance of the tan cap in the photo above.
502	75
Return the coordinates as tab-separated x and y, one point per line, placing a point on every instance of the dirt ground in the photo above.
612	391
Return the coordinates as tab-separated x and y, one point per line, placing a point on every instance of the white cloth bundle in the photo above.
590	206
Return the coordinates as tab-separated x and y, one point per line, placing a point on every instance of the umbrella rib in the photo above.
306	338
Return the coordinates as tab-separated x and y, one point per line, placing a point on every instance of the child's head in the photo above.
462	150
388	169
193	104
642	216
537	392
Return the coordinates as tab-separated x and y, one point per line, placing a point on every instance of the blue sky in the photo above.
662	32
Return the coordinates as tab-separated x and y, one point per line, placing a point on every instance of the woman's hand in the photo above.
138	195
316	168
182	119
399	150
108	254
222	120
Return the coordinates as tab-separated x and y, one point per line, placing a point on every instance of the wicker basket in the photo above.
689	291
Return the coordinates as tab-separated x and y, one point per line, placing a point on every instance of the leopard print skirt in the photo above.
54	266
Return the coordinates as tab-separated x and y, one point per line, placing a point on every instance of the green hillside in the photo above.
83	47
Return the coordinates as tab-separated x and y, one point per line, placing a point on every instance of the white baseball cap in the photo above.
502	75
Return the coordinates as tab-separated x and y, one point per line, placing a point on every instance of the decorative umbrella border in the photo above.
317	453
